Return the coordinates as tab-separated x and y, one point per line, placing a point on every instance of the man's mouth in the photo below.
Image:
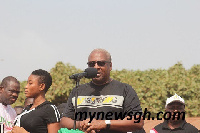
13	99
98	74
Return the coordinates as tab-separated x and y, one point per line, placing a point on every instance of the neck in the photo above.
38	100
100	83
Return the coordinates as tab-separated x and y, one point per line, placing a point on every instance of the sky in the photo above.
140	35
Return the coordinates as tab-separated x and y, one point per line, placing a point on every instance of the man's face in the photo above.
28	101
98	60
9	94
175	107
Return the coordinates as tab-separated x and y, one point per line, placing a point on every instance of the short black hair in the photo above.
108	55
8	79
44	77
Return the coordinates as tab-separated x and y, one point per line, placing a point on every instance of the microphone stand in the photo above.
90	72
76	96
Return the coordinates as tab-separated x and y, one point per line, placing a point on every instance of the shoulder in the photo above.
48	104
11	108
158	127
12	111
51	110
81	87
121	84
48	112
9	111
190	127
127	89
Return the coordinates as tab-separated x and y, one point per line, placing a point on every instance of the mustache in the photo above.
13	97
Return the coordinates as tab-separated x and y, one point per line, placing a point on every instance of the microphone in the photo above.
89	72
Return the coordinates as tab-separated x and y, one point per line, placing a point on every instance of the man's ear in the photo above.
42	87
1	89
110	66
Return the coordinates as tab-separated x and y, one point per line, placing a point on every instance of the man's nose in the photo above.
96	65
15	93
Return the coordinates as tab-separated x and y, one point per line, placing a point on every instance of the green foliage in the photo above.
152	86
62	85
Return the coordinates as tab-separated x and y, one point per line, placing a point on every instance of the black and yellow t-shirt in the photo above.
111	101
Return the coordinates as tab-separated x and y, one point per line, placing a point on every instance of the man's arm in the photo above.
53	127
69	123
66	120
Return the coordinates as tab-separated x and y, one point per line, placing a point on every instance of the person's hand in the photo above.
96	125
92	131
84	124
17	129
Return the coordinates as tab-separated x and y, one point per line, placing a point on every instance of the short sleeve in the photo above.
52	114
69	109
131	100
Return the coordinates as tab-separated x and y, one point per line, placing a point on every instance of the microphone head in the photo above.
91	72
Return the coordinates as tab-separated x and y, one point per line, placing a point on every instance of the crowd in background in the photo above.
102	94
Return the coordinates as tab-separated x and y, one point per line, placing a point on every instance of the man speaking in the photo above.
104	105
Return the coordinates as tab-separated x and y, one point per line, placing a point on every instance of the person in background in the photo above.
28	101
18	109
9	91
41	116
175	105
61	107
103	95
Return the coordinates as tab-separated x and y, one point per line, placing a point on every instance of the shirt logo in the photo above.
99	101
